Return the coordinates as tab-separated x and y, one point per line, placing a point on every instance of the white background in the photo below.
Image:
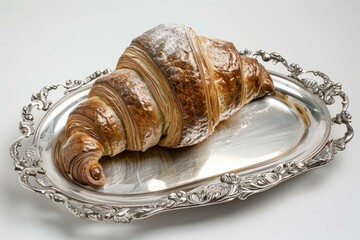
44	42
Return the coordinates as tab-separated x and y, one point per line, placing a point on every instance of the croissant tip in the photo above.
95	176
268	87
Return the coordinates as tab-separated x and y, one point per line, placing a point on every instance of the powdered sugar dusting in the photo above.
169	40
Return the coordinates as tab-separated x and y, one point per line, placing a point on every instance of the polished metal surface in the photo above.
288	125
268	141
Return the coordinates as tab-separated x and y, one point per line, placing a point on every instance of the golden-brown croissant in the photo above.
171	87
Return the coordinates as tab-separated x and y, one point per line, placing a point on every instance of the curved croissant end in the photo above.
257	80
80	156
267	85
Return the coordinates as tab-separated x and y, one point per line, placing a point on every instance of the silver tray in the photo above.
269	141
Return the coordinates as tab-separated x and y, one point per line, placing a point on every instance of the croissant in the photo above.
171	88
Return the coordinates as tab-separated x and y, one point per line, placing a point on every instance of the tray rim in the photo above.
230	185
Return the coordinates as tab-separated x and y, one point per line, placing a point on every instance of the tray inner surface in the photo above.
275	128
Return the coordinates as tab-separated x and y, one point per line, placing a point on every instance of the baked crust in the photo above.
144	119
101	122
225	70
170	49
135	57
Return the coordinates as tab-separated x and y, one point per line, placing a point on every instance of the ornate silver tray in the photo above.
269	141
